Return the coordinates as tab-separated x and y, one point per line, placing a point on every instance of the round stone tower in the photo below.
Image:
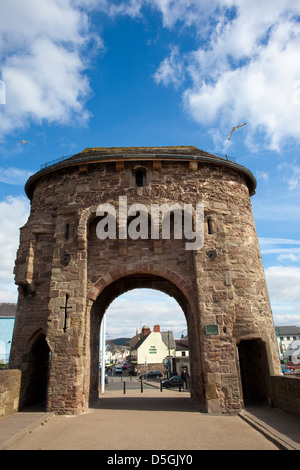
92	235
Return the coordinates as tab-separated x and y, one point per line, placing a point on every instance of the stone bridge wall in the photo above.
286	393
10	383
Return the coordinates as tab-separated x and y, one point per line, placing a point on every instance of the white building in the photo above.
181	358
151	350
286	335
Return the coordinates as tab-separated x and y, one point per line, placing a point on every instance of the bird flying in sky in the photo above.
235	128
23	142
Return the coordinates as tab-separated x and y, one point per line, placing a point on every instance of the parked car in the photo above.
152	374
174	381
125	366
118	370
287	369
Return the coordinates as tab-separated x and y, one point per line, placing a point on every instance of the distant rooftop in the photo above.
182	344
166	336
8	310
288	330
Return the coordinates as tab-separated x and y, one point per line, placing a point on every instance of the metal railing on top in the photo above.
57	160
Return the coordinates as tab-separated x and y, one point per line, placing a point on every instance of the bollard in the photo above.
160	385
141	385
124	388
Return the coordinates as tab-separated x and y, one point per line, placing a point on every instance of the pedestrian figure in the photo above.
185	377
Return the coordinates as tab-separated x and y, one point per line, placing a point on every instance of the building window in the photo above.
183	353
140	178
209	226
67	232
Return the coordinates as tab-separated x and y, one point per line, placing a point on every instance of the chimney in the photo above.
156	329
145	330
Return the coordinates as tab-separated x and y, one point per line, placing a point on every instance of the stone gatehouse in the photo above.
67	276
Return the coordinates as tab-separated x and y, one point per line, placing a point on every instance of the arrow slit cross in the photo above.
66	311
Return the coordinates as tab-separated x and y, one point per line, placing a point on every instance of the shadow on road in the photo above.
158	401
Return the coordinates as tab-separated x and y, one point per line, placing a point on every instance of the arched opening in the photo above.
254	371
135	282
143	328
37	374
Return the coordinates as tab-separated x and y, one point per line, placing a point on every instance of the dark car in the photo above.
174	381
152	374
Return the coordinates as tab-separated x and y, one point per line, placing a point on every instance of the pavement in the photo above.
167	420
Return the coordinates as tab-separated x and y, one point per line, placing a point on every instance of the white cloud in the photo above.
185	12
291	174
247	68
130	8
262	175
14	176
286	319
283	286
140	307
286	249
170	70
283	281
42	47
273	211
271	251
277	241
289	256
243	66
14	212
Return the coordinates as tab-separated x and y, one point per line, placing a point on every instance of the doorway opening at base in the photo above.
35	378
254	371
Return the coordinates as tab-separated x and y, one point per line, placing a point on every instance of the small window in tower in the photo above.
67	233
209	226
140	178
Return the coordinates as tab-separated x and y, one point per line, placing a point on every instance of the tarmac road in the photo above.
134	421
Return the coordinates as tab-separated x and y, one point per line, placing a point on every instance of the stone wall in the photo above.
286	393
10	383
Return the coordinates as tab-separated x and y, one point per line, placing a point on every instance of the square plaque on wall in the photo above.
212	329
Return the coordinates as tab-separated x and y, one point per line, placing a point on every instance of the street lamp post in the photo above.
103	348
169	354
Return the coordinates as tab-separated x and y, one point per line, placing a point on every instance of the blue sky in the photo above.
87	73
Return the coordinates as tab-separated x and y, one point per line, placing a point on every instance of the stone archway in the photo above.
143	278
